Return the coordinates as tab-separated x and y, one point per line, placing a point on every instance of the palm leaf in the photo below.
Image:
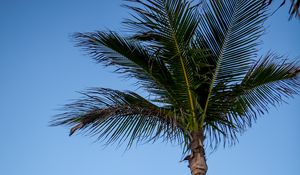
132	59
231	30
269	82
116	116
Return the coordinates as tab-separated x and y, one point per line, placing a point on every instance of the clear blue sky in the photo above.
41	70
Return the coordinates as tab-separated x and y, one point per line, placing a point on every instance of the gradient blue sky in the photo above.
40	69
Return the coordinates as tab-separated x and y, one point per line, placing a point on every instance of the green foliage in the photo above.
197	61
119	116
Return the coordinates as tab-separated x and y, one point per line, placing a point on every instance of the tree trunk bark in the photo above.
197	160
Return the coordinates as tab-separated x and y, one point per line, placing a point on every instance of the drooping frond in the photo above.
269	82
115	116
132	59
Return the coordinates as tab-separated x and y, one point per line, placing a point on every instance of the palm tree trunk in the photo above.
197	161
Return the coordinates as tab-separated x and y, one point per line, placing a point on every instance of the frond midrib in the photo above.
187	83
215	74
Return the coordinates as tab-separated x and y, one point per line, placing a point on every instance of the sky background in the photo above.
40	70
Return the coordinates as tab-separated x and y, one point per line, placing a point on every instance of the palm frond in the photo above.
115	116
269	82
231	30
132	59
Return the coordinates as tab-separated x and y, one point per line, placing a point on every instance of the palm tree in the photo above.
199	64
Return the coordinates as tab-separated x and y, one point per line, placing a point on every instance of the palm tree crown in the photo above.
199	64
